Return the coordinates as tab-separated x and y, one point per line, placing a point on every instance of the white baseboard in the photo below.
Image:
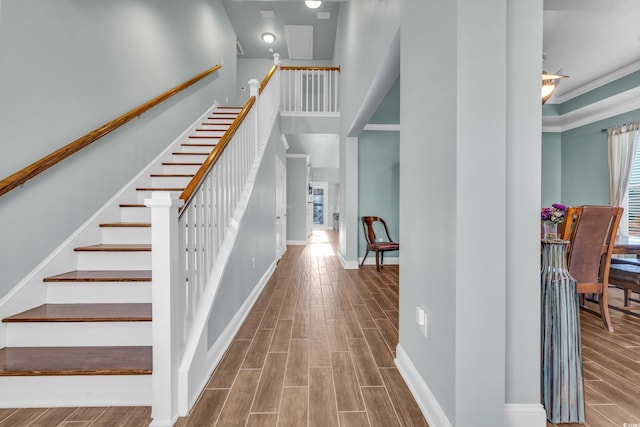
524	415
427	402
515	415
348	265
296	242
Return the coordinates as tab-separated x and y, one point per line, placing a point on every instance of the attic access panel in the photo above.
299	41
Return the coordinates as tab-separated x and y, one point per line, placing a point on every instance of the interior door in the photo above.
281	208
319	205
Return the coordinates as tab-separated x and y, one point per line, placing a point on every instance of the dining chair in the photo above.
380	241
591	231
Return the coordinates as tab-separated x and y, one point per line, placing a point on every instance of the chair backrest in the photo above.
592	232
370	224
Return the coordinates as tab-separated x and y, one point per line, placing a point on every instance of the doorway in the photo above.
319	212
281	208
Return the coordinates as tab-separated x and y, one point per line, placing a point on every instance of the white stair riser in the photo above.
180	169
137	214
197	148
142	195
230	115
114	260
75	390
188	158
126	235
78	334
170	181
212	125
101	292
214	133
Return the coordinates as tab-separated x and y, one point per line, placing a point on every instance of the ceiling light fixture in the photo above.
313	4
268	38
549	84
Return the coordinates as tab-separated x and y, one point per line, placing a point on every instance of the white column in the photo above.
166	311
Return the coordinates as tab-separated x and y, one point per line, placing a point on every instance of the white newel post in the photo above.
167	339
254	91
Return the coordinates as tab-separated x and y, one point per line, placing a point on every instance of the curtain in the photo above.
622	143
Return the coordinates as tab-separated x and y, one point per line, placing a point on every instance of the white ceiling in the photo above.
589	40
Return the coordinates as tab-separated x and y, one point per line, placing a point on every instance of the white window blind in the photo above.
633	199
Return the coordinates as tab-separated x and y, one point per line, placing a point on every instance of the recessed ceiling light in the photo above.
268	38
313	4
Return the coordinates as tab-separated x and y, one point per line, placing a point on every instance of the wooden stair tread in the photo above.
92	312
102	276
132	205
187	153
205	136
125	224
132	247
32	361
218	121
202	144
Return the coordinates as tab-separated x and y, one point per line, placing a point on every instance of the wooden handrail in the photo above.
266	79
189	191
283	67
25	174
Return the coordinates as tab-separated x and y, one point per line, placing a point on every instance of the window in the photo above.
632	207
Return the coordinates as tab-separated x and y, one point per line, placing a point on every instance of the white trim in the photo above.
609	107
296	242
382	127
594	84
425	399
524	415
283	137
298	156
348	265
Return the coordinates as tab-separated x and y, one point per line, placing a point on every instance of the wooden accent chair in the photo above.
591	231
377	242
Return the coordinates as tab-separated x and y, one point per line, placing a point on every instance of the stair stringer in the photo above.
198	363
31	292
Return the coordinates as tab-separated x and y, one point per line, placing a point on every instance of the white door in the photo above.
319	205
281	208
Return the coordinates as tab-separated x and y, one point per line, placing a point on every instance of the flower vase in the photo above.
551	231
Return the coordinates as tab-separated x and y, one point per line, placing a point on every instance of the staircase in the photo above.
90	342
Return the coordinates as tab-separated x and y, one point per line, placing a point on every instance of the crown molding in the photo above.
594	84
609	107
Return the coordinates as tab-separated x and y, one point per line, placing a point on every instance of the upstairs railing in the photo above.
23	175
309	90
192	239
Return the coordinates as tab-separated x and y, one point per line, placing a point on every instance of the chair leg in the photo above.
365	257
603	301
378	261
381	259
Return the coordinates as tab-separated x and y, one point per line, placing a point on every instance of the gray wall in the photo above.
69	67
256	239
297	191
551	168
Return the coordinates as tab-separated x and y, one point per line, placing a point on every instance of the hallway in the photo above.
317	349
